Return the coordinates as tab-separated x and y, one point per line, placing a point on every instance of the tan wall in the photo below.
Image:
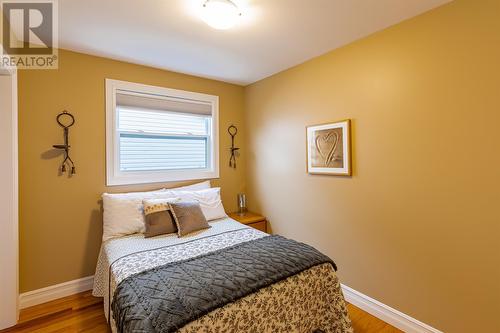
60	218
418	225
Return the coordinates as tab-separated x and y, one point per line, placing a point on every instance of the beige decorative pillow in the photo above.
158	218
188	217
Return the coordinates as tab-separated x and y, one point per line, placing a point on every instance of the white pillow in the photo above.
194	187
209	200
123	212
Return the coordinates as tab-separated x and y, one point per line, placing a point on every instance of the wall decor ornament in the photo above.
232	130
329	148
66	120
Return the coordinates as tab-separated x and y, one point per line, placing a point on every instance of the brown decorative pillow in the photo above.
188	217
159	220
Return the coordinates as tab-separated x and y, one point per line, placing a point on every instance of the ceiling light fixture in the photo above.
220	14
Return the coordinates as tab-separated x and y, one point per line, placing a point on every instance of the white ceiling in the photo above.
273	35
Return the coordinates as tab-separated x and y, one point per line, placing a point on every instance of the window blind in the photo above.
156	102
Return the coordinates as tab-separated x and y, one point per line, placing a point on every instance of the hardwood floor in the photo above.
363	322
78	313
83	313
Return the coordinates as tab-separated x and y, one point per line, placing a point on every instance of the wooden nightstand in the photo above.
251	219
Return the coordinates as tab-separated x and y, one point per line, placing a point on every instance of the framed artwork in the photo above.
329	148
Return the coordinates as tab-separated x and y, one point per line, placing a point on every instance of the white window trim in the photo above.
116	177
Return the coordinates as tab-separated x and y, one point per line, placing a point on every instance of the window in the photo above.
156	134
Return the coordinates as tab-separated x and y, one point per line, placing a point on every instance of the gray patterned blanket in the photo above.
166	298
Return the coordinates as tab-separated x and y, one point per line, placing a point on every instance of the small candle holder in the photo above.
242	204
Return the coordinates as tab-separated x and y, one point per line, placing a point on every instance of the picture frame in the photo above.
329	148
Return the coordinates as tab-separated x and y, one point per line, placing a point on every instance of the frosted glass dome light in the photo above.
220	14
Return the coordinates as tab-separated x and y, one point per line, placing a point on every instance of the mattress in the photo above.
314	294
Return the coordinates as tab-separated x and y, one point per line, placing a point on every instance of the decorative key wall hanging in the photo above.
232	130
66	120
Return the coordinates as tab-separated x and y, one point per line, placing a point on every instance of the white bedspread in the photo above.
314	294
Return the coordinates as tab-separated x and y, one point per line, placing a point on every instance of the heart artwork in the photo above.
326	145
328	148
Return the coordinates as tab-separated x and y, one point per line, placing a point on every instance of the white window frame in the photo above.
114	176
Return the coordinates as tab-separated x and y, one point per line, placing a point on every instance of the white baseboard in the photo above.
51	293
386	313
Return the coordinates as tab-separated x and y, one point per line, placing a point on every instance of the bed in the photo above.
310	300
